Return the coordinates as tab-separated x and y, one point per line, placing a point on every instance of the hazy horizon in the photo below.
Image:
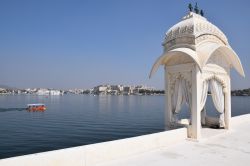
81	44
7	86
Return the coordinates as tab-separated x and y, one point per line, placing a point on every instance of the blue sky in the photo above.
80	44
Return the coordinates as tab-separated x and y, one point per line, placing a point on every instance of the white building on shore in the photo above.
43	92
48	92
55	92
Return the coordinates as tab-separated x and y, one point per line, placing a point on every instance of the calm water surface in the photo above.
73	120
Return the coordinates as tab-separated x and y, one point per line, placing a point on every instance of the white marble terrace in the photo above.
196	57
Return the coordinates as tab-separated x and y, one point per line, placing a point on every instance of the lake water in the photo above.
74	120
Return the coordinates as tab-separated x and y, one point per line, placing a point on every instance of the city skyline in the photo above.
106	84
73	44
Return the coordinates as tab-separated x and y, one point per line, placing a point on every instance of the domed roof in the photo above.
196	40
191	30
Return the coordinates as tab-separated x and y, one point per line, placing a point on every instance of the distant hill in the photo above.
7	87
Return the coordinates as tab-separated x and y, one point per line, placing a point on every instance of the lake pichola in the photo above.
74	120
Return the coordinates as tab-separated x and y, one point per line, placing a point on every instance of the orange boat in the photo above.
36	107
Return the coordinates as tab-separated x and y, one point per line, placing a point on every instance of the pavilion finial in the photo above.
196	9
190	7
202	13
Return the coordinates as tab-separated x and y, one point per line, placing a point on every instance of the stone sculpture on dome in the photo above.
196	56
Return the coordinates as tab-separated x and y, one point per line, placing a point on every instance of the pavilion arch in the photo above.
208	49
217	78
233	58
219	91
206	77
165	59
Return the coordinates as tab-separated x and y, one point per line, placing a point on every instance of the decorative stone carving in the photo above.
178	32
207	37
205	72
217	78
188	41
195	28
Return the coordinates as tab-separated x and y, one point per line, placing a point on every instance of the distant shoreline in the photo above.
238	93
138	92
16	94
97	90
243	92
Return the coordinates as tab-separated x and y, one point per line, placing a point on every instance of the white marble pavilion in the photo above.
196	57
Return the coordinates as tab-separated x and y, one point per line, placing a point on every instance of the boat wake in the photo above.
12	109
